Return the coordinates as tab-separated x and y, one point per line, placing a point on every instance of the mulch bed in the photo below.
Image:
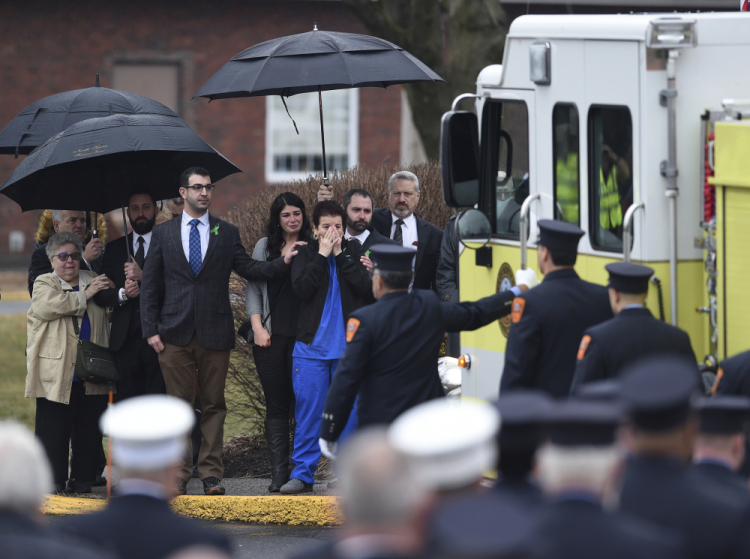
247	456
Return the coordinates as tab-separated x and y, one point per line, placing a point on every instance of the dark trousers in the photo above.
55	424
179	364
274	364
138	366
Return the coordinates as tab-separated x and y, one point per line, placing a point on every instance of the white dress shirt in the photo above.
203	231
146	243
362	237
408	230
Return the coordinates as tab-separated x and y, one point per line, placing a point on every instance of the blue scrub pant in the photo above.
311	379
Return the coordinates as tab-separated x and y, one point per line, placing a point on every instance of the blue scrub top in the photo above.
330	339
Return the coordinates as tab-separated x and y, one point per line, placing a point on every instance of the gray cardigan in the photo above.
256	294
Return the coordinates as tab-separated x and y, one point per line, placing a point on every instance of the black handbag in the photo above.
94	363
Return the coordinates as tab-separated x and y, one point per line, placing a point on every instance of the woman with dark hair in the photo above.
274	303
330	282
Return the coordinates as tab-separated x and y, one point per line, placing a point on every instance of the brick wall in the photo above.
51	46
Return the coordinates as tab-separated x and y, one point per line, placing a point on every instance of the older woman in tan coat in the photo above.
65	404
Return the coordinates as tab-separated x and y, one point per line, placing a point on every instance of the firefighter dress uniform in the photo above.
631	335
549	320
392	348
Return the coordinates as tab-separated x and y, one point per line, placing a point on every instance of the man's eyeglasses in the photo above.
63	256
198	188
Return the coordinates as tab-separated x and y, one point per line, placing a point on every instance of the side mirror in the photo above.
472	226
459	159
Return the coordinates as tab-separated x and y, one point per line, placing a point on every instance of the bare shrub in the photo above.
245	392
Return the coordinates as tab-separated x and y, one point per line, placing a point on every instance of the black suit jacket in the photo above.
428	249
578	529
375	238
40	265
547	326
631	335
661	490
141	527
390	359
113	267
196	305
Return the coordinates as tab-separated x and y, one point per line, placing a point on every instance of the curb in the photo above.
289	511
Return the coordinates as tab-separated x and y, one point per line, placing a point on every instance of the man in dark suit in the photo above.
74	222
657	484
390	358
137	364
358	204
720	444
191	327
632	334
399	223
549	321
138	523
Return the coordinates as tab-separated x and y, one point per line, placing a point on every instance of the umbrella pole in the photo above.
94	227
125	226
322	137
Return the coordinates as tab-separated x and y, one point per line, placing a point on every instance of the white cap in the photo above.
148	432
451	442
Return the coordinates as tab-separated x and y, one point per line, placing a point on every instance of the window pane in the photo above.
565	129
611	184
301	153
506	126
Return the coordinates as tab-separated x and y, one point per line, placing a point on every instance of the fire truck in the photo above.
631	127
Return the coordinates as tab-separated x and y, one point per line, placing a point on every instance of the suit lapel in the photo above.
213	238
421	240
175	231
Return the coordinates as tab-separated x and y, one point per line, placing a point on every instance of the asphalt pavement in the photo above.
269	542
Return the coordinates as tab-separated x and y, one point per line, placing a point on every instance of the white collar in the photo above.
362	237
186	219
146	237
410	222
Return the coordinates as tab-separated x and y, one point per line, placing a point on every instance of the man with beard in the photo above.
358	204
137	364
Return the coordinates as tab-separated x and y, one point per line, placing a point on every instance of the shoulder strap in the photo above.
265	318
75	325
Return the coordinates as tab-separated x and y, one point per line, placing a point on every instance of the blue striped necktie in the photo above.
195	247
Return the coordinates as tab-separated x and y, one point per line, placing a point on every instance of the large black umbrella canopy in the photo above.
51	115
95	164
315	61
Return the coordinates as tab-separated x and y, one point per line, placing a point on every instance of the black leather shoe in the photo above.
75	486
277	436
212	486
98	481
181	487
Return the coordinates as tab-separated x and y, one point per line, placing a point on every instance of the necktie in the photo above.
355	239
398	234
140	254
195	248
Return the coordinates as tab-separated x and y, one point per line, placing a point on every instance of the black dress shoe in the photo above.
212	486
75	486
98	481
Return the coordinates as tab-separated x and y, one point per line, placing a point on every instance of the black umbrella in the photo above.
95	164
47	117
315	61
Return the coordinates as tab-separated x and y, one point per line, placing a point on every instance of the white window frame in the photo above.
276	176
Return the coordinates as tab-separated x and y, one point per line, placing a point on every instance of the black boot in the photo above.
277	437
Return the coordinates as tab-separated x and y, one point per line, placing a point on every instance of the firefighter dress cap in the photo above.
583	423
608	390
558	235
148	432
724	415
659	392
392	258
450	443
523	414
629	278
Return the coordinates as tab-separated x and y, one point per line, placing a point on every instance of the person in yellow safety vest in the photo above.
610	209
566	185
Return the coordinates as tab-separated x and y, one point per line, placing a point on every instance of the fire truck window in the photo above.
610	174
506	147
565	161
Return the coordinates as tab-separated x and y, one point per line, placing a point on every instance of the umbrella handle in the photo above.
94	227
322	137
125	226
